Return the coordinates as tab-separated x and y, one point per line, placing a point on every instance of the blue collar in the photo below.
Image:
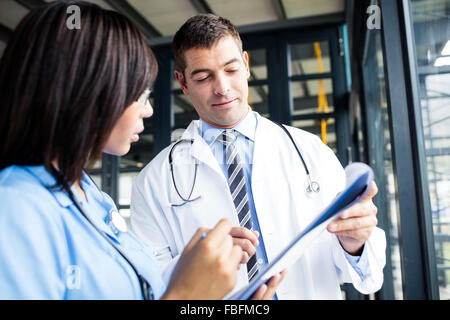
246	127
48	181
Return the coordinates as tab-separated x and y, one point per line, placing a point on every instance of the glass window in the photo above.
140	152
380	159
323	128
2	48
257	64
258	99
184	111
432	38
309	58
312	96
125	184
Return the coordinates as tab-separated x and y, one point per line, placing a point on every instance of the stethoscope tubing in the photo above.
312	186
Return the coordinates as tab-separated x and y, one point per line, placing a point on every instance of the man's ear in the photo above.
247	67
180	78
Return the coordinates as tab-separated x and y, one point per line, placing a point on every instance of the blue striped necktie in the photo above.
236	182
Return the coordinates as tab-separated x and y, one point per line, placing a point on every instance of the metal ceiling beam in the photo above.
279	9
302	22
5	33
31	4
201	6
125	8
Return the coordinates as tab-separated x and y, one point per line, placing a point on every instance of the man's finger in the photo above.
244	233
360	234
352	224
246	246
245	257
363	208
267	291
372	191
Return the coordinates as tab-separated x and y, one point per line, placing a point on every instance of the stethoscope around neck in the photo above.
188	199
311	187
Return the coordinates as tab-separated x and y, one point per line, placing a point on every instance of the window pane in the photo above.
312	96
184	111
323	128
258	99
141	152
309	58
125	183
2	48
432	39
380	159
175	84
257	63
97	179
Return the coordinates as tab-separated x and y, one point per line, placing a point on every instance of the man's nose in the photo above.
221	85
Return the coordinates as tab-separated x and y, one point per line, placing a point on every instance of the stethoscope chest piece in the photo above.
312	187
117	222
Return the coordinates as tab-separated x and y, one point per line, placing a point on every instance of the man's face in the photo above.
216	81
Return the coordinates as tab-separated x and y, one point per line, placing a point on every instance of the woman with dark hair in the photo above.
66	96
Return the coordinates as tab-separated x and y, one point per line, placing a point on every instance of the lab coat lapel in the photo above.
200	149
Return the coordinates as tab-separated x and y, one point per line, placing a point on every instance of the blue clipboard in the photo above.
359	177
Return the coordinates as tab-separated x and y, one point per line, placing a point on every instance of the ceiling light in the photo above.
446	50
442	61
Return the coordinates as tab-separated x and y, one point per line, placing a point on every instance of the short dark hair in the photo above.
62	90
201	31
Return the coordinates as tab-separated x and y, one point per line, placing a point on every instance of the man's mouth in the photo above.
224	104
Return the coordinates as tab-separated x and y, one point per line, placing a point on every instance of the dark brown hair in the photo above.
62	90
201	31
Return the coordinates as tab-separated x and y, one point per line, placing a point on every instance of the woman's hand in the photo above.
207	268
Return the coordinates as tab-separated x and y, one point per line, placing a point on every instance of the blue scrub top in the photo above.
48	250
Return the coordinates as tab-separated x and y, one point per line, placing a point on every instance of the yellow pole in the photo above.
322	97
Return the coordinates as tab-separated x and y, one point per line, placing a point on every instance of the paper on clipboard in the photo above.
359	177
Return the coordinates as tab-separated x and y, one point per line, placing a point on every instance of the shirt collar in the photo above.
63	198
49	181
246	127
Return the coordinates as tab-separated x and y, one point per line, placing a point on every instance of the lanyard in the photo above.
146	288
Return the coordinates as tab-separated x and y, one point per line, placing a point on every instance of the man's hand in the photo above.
247	240
355	225
267	291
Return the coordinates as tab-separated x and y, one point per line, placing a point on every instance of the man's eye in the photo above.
201	79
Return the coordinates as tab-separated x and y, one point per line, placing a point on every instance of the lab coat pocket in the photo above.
163	254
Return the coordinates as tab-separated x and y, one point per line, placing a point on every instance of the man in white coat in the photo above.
187	186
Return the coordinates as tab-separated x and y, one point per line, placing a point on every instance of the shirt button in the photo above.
260	261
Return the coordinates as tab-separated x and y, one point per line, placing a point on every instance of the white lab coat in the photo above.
282	206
